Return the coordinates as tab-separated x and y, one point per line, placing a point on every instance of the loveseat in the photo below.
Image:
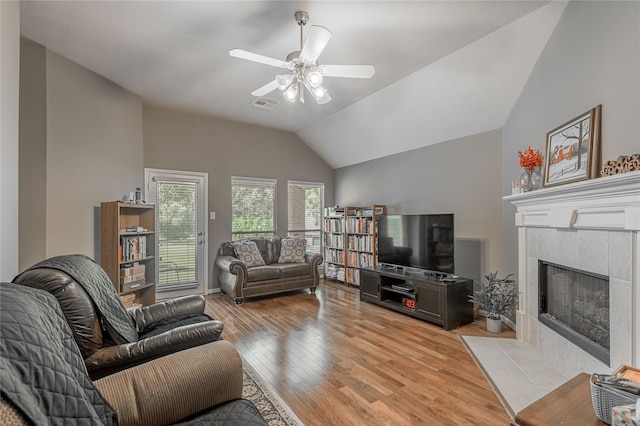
45	381
262	266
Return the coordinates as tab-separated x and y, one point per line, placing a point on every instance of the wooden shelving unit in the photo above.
350	241
360	240
123	249
334	253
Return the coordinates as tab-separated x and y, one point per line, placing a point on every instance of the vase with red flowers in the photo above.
530	160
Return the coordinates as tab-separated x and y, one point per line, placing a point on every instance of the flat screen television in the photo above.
424	241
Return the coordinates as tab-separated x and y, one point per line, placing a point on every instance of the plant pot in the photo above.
494	325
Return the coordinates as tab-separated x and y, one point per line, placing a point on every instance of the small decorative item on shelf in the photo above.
531	178
496	297
624	164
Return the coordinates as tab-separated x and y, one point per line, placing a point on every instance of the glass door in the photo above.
181	249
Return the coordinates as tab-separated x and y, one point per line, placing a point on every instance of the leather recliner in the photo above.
154	331
44	379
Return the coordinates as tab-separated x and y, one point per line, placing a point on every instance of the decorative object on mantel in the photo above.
496	297
530	160
573	150
624	164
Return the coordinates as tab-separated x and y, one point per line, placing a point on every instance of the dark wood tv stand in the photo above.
419	294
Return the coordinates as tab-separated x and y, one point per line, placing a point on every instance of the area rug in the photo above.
271	406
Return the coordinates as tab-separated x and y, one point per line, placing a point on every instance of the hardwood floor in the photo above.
338	361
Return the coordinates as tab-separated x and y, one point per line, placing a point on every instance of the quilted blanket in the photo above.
42	370
119	325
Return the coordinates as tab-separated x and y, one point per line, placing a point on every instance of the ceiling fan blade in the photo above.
351	71
319	94
314	45
243	54
267	88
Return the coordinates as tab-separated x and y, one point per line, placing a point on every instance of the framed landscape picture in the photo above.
573	150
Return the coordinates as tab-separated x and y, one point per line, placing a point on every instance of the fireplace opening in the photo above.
575	304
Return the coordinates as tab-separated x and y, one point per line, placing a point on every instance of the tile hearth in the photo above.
518	374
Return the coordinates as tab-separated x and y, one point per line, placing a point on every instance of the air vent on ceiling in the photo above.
265	103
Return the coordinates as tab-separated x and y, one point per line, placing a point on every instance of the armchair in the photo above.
44	379
109	337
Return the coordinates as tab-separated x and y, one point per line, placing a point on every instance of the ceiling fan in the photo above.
304	71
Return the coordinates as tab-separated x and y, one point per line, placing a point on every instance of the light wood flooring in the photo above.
338	361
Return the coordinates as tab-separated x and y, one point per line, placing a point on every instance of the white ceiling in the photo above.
444	69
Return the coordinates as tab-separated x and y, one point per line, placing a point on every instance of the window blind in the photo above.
253	207
305	201
177	229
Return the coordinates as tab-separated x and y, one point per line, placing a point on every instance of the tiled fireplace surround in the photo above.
593	226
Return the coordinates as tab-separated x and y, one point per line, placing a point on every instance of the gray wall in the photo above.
82	143
9	82
33	153
461	176
92	147
189	142
592	58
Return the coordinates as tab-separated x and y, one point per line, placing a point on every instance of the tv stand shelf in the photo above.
419	294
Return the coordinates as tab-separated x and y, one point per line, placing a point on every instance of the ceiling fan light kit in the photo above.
303	67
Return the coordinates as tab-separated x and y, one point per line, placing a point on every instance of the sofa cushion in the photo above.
295	269
292	250
263	273
226	248
273	250
247	252
239	412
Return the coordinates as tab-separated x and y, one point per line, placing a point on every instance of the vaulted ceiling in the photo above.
444	69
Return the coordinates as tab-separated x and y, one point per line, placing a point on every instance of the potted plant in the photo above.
495	297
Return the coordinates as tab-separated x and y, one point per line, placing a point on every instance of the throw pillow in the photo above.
292	250
247	252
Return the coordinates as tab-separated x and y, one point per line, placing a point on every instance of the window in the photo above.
305	213
177	220
253	207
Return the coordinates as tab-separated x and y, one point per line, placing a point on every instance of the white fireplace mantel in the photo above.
611	202
592	225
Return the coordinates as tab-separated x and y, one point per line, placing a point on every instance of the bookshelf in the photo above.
334	253
360	240
128	250
350	241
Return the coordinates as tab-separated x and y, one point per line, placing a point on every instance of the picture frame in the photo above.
573	150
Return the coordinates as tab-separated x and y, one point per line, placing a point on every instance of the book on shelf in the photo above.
359	225
334	240
359	242
334	255
133	247
353	276
333	224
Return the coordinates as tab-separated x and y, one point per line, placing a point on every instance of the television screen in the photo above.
423	241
